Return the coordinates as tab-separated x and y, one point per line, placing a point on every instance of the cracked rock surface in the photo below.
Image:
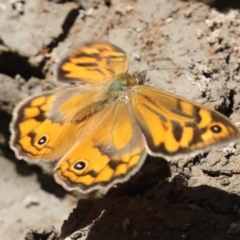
190	49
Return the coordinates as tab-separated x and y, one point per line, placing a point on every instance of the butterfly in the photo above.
100	130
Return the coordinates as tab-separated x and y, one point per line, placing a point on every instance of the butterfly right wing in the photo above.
175	127
93	63
44	126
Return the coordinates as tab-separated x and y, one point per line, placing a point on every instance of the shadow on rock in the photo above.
149	207
223	5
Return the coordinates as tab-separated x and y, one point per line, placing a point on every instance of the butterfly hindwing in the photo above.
111	153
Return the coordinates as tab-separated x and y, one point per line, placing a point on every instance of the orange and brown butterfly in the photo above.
101	129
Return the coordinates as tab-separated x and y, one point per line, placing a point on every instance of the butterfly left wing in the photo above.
174	127
111	152
94	63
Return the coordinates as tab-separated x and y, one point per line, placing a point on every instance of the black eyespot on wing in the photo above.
80	165
42	140
216	128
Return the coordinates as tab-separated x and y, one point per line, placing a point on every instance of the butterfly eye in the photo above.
81	165
216	128
41	141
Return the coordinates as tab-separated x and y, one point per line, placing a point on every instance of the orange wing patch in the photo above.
93	63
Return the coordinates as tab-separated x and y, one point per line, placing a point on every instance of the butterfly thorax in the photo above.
118	89
122	86
122	82
125	81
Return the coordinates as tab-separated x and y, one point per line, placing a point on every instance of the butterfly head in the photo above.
124	81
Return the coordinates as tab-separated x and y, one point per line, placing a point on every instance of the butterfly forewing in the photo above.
93	63
42	123
29	124
174	127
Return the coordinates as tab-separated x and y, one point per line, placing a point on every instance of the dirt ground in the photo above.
189	48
